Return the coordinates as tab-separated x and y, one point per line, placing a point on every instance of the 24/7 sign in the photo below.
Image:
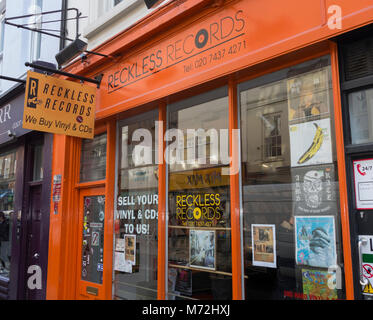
363	177
59	106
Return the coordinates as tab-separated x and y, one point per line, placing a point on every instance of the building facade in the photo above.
25	156
229	140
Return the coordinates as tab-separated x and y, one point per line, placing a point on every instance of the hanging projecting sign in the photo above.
59	106
363	175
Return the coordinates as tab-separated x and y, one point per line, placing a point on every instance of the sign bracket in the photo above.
96	80
13	79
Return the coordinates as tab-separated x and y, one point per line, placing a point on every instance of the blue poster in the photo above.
315	241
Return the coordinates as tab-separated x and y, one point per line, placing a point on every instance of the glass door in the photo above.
91	244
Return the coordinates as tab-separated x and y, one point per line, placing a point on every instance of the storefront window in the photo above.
199	228
7	185
290	195
93	159
136	215
361	116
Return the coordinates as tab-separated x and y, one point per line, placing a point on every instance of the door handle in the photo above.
363	280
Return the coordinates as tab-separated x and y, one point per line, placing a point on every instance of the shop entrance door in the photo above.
33	292
362	213
91	280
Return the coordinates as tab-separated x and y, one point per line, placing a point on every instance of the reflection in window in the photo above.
93	158
199	233
361	116
7	186
289	196
136	215
35	22
272	135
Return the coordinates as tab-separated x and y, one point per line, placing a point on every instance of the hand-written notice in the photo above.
138	211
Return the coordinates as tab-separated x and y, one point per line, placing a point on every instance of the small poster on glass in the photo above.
315	241
264	245
314	190
316	285
130	248
202	249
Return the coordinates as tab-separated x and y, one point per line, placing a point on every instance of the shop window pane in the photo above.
291	216
361	116
199	229
136	216
93	159
7	187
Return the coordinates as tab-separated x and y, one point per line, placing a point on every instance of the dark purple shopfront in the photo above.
25	180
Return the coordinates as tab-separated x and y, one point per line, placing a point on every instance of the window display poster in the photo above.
202	249
311	143
308	95
264	245
315	285
130	248
194	209
363	178
314	190
184	282
315	241
120	264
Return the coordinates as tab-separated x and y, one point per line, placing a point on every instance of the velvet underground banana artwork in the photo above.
310	143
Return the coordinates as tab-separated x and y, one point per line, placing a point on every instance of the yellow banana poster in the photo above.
311	143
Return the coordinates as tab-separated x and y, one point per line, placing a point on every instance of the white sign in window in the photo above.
363	176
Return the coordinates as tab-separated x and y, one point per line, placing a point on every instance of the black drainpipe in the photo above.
63	24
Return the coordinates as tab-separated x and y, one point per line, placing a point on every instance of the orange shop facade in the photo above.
222	167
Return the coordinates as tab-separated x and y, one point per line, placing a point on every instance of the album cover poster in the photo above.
264	245
184	282
308	96
310	143
315	241
130	248
316	285
202	249
314	190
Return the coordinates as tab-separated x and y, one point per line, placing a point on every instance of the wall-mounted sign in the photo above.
59	106
363	176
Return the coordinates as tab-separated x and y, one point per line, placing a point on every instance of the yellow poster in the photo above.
59	106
